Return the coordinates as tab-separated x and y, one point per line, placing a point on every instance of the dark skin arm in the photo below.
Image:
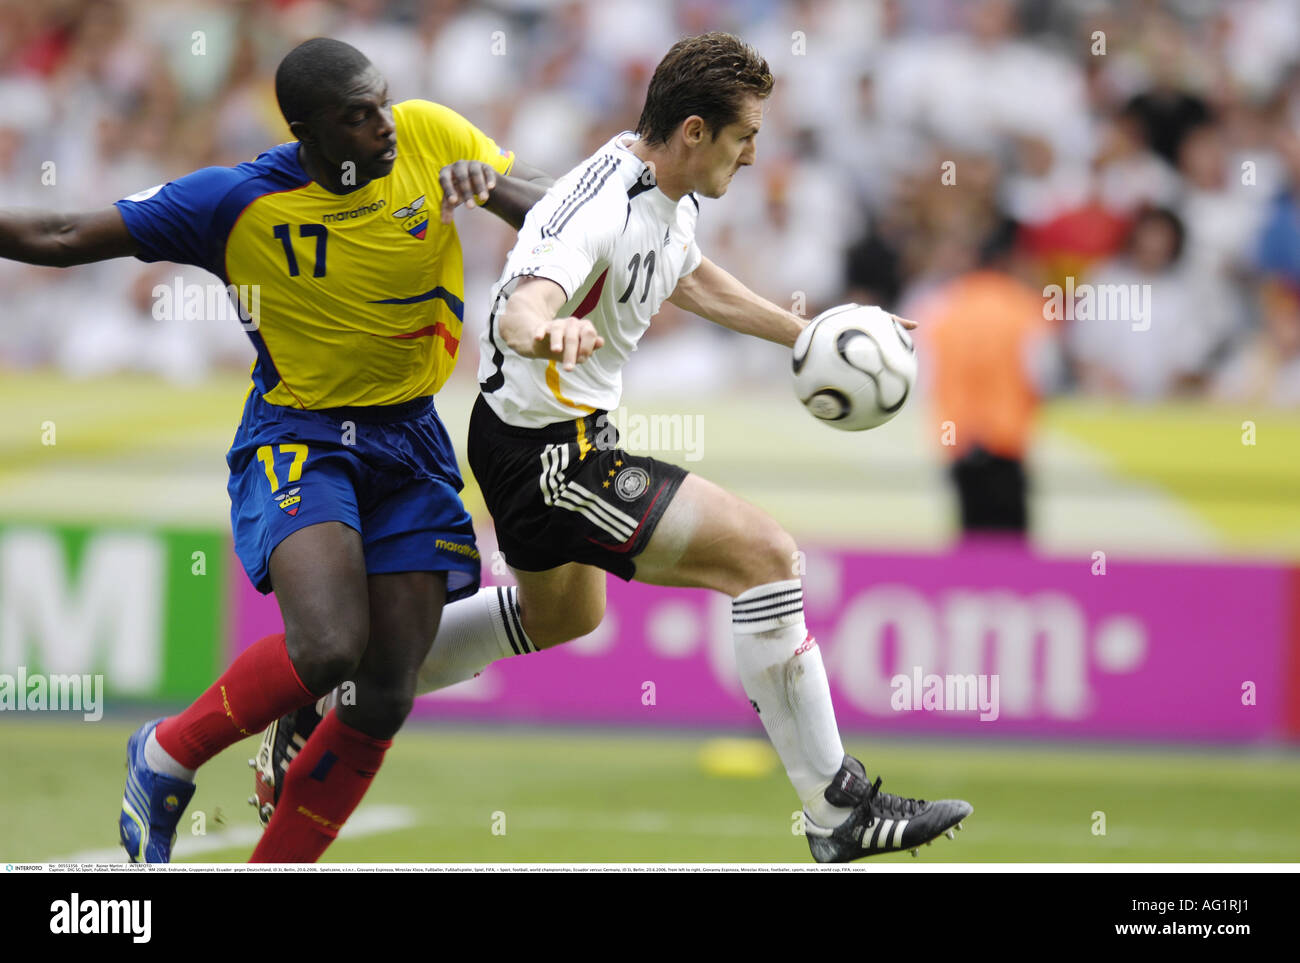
62	240
509	197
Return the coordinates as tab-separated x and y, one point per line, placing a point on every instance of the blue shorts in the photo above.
388	472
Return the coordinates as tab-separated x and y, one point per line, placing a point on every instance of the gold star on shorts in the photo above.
604	484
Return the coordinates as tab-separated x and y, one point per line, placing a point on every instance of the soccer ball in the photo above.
854	367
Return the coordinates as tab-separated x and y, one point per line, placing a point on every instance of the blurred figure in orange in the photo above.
990	355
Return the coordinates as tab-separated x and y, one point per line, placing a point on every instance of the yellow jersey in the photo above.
349	299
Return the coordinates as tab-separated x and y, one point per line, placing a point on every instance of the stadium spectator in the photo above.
878	95
1137	329
1266	366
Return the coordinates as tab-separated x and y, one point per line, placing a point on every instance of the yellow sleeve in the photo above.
453	137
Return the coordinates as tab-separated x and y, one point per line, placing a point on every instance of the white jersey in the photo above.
617	245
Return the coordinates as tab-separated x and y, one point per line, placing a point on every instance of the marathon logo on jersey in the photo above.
459	548
356	212
75	916
414	218
289	501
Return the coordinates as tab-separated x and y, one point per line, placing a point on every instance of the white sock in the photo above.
473	633
781	670
160	760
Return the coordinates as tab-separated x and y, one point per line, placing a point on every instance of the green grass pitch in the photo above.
623	796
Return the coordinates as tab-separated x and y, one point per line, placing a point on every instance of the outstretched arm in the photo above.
712	293
529	325
509	197
62	240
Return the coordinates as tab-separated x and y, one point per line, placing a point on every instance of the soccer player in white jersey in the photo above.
596	258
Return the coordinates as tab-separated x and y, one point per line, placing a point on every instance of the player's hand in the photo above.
567	340
465	182
903	321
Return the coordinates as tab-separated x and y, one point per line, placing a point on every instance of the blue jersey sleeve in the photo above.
177	221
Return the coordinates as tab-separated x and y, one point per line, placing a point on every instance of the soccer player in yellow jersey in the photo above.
343	482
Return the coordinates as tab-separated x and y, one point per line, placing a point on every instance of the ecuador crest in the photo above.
414	218
289	501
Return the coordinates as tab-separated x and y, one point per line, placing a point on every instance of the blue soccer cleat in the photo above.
152	804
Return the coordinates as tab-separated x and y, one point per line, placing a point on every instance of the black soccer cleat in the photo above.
880	822
281	742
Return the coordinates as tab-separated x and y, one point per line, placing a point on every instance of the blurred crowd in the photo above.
922	155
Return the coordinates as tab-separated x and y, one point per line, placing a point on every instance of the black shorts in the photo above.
567	492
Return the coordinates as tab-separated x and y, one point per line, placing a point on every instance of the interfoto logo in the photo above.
103	916
945	693
53	693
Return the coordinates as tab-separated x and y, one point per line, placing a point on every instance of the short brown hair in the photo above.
707	76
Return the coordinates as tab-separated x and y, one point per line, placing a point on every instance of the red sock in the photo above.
259	687
325	782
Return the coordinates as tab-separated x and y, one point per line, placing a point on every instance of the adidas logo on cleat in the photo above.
281	743
880	822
